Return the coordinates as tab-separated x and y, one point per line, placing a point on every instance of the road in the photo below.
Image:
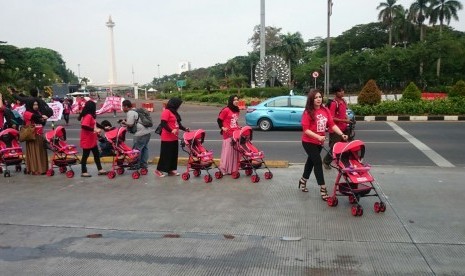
387	143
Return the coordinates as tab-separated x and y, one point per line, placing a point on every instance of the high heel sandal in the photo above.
303	185
324	193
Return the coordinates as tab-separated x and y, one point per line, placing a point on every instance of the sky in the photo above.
152	37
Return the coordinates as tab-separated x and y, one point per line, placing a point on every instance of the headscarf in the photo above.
234	108
173	106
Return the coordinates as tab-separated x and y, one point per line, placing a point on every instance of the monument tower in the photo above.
112	77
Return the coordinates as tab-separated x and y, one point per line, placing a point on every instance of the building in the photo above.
184	66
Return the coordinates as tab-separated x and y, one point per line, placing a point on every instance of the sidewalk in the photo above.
167	226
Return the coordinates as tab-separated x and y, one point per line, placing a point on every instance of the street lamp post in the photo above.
330	6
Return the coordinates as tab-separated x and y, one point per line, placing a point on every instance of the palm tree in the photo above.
404	30
291	49
420	10
387	14
443	10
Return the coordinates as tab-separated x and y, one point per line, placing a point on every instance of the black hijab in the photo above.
173	106
89	108
234	108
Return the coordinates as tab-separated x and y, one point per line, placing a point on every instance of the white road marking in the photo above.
430	153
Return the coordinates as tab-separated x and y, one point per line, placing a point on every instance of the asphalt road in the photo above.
387	143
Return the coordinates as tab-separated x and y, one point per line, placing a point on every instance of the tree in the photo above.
411	92
370	94
388	13
443	10
271	38
420	10
404	30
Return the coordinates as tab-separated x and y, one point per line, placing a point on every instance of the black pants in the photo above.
313	162
85	155
66	117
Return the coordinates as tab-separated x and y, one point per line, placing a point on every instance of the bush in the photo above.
412	93
370	94
458	90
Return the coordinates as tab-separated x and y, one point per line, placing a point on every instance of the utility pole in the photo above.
262	34
330	7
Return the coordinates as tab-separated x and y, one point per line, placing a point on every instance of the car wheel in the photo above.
265	124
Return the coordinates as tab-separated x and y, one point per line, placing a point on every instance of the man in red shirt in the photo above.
338	110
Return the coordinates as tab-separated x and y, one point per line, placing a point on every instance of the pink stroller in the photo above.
125	156
354	178
199	157
251	158
11	152
64	154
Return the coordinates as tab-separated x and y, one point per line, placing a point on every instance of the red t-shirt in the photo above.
338	110
230	121
88	137
322	120
172	123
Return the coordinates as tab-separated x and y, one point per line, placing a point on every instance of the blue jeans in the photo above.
141	144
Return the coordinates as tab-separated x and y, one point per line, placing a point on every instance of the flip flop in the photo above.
86	175
102	173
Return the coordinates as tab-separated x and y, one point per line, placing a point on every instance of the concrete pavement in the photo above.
167	226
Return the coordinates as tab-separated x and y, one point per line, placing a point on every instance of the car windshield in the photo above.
282	102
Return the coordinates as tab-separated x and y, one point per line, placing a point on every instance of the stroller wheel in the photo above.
144	171
207	178
255	178
382	207
6	173
70	174
62	169
218	175
1	170
186	176
18	168
268	175
111	174
359	211
248	172
235	175
135	175
120	171
332	201
196	173
352	199
50	172
354	210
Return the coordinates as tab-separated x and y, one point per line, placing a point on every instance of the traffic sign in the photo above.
315	74
181	83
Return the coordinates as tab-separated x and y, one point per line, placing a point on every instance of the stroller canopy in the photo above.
194	134
353	146
243	132
117	133
59	132
11	132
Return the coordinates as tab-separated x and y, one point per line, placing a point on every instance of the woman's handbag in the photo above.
27	133
158	129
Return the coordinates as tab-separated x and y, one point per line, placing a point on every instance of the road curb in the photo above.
411	118
182	161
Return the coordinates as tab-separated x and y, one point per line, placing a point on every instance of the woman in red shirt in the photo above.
36	154
315	119
169	146
228	123
88	137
